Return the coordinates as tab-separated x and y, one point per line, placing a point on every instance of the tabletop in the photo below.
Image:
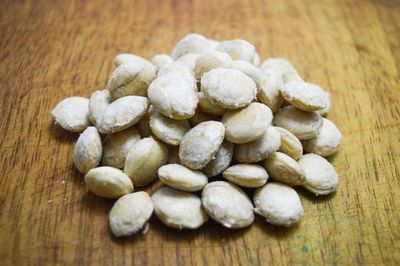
50	50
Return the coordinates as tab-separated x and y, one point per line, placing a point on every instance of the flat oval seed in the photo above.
178	209
229	88
180	177
290	144
246	175
160	60
327	140
108	182
270	84
259	149
200	144
321	176
188	60
247	124
304	125
98	102
117	146
210	60
144	159
279	204
191	43
130	58
281	65
122	113
208	107
222	160
88	150
238	49
72	114
245	67
305	96
284	169
227	204
130	213
166	129
200	117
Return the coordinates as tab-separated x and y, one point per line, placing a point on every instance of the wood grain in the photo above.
50	50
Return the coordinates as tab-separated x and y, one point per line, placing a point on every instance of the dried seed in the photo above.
208	107
238	50
200	117
210	60
290	144
246	175
247	68
130	58
160	60
188	60
270	84
182	178
192	43
87	151
221	161
98	102
305	96
72	114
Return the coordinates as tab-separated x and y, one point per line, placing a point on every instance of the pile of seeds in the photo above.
206	113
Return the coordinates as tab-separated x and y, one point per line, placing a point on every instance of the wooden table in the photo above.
50	50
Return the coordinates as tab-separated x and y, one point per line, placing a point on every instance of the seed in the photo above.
208	107
291	76
281	65
178	209
108	182
238	49
160	60
98	102
180	177
210	60
245	67
87	151
321	176
192	43
269	88
130	58
188	60
222	160
200	144
290	144
200	117
278	203
246	175
144	159
130	213
72	114
227	204
305	96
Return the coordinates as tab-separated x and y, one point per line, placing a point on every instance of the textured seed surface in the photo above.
188	60
166	129
245	67
88	150
108	182
122	113
246	175
290	144
327	140
321	176
200	117
305	96
72	114
200	144
247	124
131	78
238	49
98	102
144	159
130	213
159	60
304	125
270	84
210	60
130	58
222	160
208	107
178	209
284	168
182	178
259	149
227	204
178	68
281	65
173	96
279	204
229	88
117	146
191	43
291	76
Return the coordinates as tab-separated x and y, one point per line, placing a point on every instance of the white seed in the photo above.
227	204
108	182
130	58
178	209
326	142
259	149
222	160
159	60
166	129
117	146
247	124
200	144
327	109
122	113
98	102
210	60
188	60
246	175
238	50
87	151
270	84
279	204
305	96
208	107
229	88
200	117
131	78
182	178
291	76
290	144
192	43
321	176
130	213
284	169
256	60
173	96
72	114
281	65
245	67
178	68
144	159
304	125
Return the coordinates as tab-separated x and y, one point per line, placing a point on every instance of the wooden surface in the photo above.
50	50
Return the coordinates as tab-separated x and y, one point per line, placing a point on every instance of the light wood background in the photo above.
50	50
